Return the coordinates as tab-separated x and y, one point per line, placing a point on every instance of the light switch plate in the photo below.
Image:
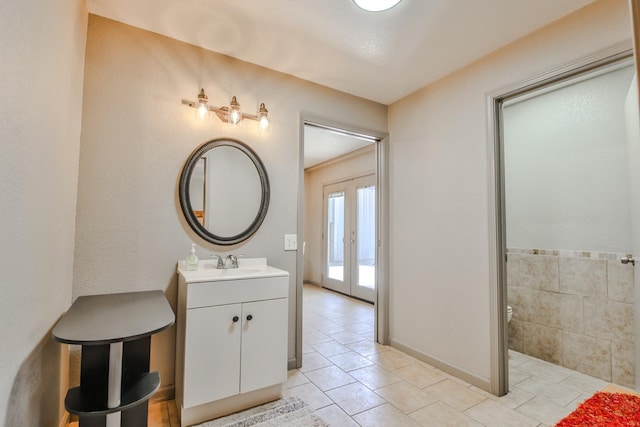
290	242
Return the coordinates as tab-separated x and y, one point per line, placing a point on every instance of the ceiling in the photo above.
381	56
321	145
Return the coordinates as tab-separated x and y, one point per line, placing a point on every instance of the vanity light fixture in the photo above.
231	114
376	5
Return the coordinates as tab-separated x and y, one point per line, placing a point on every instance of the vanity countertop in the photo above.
248	268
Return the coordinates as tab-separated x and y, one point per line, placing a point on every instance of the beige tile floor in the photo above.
351	381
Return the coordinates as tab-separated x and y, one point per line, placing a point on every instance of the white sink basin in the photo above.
248	268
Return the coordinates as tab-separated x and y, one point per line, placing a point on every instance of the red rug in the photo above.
605	410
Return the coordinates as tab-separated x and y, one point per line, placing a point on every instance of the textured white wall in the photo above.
633	157
136	136
314	182
42	53
566	172
439	278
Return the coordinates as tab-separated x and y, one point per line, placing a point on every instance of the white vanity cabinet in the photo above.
231	346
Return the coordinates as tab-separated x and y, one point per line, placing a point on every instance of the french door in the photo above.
349	237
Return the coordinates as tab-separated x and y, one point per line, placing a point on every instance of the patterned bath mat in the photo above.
605	410
289	412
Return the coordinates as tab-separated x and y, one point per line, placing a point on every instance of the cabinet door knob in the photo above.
235	319
249	317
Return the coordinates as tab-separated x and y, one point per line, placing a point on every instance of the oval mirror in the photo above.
224	191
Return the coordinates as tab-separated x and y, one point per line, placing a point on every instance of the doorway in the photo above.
563	221
349	237
362	173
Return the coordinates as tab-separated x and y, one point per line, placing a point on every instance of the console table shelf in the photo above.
83	402
114	331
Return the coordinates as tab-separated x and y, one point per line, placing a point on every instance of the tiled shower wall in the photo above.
574	309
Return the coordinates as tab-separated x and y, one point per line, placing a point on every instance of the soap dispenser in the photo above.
192	259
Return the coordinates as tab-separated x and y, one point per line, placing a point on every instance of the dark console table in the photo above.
114	331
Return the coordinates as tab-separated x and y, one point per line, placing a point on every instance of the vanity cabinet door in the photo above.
264	344
212	354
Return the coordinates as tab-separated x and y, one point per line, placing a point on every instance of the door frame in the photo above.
352	220
499	381
381	300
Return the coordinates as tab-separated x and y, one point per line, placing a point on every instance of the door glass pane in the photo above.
366	224
335	238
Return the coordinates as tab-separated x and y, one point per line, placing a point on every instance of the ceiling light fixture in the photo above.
231	114
376	5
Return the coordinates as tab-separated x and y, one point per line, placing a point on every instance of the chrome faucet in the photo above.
220	261
234	260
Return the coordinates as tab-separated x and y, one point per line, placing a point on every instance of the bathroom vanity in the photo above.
231	343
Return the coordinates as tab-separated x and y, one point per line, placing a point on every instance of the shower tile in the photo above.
525	303
571	312
533	271
588	355
620	281
609	319
517	298
622	364
547	308
543	342
583	276
516	335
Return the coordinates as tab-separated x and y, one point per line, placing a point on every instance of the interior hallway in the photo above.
351	381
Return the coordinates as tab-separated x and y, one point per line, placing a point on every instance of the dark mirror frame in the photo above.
185	199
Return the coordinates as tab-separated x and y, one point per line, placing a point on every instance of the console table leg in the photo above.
115	382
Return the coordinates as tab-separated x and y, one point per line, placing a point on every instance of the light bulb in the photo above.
202	111
234	116
263	119
202	108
